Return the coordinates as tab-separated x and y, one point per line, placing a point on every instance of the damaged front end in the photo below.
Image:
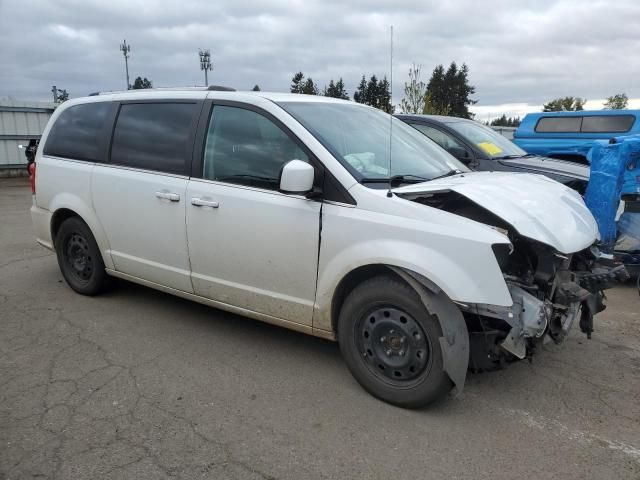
550	290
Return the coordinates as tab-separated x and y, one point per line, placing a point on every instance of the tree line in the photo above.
373	92
448	92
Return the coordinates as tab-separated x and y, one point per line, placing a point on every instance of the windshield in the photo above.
488	140
358	136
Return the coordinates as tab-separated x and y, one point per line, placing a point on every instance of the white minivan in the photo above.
324	216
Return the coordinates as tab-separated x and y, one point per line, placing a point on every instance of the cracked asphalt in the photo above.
138	384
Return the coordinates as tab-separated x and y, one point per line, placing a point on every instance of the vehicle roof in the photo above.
201	93
435	118
583	113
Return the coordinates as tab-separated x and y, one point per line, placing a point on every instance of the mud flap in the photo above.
455	340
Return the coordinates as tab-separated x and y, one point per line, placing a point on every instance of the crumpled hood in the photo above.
536	206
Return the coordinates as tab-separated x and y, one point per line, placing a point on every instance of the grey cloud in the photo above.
516	53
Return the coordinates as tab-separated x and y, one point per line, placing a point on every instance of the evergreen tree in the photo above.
297	83
505	121
448	93
436	97
255	88
371	93
336	90
141	83
376	93
330	90
361	92
309	88
341	91
565	104
383	99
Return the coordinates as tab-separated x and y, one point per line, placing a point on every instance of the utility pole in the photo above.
205	64
54	90
125	49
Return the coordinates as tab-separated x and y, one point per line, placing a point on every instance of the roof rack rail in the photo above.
217	88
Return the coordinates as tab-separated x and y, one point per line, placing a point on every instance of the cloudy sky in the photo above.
520	54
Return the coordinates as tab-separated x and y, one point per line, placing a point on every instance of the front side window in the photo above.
78	132
154	136
246	148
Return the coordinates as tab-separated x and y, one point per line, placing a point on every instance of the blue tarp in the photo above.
614	167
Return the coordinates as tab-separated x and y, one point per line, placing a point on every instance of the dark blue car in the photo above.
570	135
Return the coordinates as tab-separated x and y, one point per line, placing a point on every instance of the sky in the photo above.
520	54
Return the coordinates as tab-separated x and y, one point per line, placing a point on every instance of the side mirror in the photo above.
296	177
460	153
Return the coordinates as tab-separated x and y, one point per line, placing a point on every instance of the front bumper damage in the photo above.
539	314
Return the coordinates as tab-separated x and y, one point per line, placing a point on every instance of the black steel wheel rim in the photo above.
78	258
393	344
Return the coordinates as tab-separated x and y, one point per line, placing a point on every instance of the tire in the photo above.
79	258
391	344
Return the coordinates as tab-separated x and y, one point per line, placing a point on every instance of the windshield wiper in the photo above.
450	173
506	157
396	180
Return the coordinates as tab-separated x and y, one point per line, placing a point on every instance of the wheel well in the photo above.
349	282
58	217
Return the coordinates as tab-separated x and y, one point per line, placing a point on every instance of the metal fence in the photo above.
19	123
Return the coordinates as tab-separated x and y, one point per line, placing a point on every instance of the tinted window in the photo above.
153	136
609	123
78	132
559	125
246	148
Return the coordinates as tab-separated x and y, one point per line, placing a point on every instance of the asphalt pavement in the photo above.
139	384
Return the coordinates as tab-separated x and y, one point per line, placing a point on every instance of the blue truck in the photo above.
608	141
570	135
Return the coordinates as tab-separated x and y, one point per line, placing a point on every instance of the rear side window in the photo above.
78	132
559	125
586	124
154	136
608	123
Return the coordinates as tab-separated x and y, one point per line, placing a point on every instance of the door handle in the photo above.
199	202
174	197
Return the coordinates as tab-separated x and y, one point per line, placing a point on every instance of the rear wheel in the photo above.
79	258
390	343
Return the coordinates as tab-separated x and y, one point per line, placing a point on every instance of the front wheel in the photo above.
79	258
390	343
